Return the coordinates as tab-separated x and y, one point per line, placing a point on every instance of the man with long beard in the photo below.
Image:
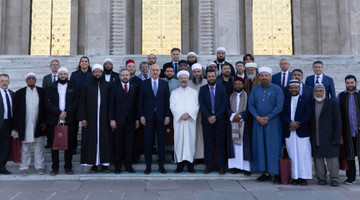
265	104
109	74
325	136
196	83
252	79
349	102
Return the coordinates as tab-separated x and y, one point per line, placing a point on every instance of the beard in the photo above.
251	76
319	99
98	79
183	84
220	60
63	81
239	90
211	83
197	80
265	83
351	89
107	71
191	63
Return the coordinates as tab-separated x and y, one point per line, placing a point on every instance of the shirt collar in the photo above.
357	91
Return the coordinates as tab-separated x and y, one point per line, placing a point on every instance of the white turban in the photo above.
211	63
97	66
250	65
63	69
191	53
107	59
182	72
30	74
265	69
196	66
221	49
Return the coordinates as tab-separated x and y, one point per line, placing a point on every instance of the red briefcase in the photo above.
60	137
285	167
14	154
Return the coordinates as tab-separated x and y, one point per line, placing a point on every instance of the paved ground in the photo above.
170	189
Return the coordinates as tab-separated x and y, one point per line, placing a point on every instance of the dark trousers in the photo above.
214	135
351	172
68	153
149	131
124	144
5	140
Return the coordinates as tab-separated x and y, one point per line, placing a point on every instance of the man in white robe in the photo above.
296	116
184	107
196	83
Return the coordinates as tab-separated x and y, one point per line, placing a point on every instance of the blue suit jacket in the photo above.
221	103
327	81
307	92
148	102
276	78
302	115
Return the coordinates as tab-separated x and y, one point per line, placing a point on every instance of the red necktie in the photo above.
283	82
126	89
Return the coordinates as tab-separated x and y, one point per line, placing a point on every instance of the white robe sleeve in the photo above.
174	105
194	109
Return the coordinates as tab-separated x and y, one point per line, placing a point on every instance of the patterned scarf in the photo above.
238	127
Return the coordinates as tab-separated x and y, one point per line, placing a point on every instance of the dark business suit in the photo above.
71	106
327	81
302	115
20	113
123	108
214	133
154	109
47	81
171	65
113	77
5	132
277	78
233	73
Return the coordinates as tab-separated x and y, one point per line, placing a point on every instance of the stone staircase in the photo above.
336	66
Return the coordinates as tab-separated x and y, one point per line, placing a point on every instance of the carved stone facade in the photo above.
114	27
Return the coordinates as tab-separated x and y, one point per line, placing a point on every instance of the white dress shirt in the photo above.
62	97
286	77
320	78
5	102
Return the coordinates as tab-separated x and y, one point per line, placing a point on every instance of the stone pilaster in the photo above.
118	27
206	27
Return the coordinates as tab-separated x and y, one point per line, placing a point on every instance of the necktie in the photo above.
283	81
212	94
155	88
126	89
54	79
8	104
317	79
176	68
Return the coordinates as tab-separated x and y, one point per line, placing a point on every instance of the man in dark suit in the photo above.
52	77
175	57
220	60
123	116
225	79
109	74
6	115
305	90
282	78
154	112
213	101
325	136
295	117
46	82
61	104
29	122
320	78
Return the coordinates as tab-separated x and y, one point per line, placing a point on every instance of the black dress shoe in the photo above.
234	171
302	182
5	171
322	182
264	177
147	171
247	173
117	171
349	181
130	170
105	169
93	170
277	179
54	172
178	170
69	171
294	182
191	170
334	183
162	170
207	170
221	171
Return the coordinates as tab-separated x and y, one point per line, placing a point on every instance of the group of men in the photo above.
240	116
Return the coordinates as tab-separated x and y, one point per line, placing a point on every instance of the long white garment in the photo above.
39	159
184	100
32	111
238	161
299	150
199	142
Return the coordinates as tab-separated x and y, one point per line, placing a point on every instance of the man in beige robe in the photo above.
185	106
197	82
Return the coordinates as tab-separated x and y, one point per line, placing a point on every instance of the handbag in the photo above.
285	167
60	137
14	154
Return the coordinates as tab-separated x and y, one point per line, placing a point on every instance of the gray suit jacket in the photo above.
47	80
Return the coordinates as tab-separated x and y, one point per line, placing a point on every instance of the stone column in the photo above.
118	27
227	26
2	24
206	21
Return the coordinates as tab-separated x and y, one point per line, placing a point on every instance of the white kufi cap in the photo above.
30	74
97	66
182	72
265	69
196	66
250	65
221	49
63	69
